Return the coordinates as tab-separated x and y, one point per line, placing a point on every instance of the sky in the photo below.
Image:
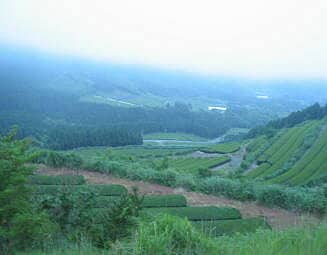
252	38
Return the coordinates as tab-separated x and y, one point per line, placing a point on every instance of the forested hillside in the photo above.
38	112
313	112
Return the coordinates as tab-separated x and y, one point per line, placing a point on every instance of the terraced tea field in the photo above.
222	148
193	165
312	166
289	159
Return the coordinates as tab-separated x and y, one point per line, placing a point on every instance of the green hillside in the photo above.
294	156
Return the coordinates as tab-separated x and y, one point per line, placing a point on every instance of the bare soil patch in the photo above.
276	217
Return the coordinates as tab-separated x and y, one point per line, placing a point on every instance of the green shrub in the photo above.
204	172
70	210
187	181
165	177
57	180
116	222
59	159
198	213
273	195
229	227
167	235
31	229
230	188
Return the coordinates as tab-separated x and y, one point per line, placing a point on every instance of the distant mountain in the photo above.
135	86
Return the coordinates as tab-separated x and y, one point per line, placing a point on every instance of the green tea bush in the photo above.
98	189
57	180
198	213
230	227
164	201
149	201
106	189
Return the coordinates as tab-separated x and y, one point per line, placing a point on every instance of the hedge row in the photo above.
153	201
198	213
229	227
296	199
100	190
57	180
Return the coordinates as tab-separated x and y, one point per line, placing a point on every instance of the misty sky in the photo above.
257	38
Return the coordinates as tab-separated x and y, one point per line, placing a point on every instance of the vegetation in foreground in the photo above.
168	235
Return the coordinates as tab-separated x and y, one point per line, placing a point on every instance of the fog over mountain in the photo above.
258	39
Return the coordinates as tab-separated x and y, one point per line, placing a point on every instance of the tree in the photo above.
16	212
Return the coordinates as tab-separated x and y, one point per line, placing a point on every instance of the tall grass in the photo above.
168	235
